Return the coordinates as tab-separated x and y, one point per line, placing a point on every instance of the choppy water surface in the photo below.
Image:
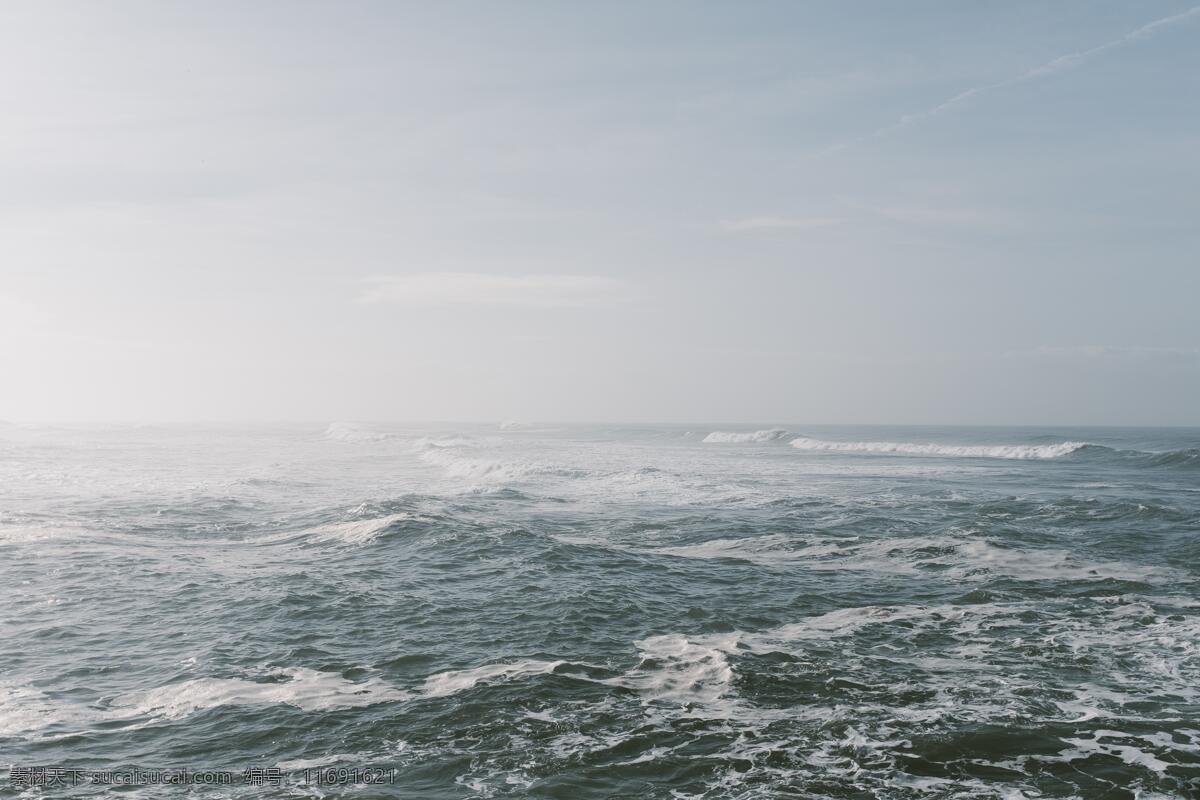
607	612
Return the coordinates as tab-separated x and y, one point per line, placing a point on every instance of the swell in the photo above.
1184	458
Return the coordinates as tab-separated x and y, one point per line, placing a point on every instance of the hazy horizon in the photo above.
922	214
551	425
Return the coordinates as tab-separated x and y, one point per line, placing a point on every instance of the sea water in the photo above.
526	610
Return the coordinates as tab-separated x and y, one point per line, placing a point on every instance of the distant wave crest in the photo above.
460	457
948	450
741	437
353	432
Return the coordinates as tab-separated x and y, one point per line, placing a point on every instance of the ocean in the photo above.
460	611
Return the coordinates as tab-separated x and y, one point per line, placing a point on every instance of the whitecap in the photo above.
306	689
24	709
467	465
742	437
353	432
1013	451
956	557
454	681
681	670
356	532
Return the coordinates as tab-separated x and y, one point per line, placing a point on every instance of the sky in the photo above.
822	212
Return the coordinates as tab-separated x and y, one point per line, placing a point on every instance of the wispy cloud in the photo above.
858	213
1061	63
779	223
1095	351
437	289
956	216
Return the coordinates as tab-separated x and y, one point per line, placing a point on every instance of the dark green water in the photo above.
604	612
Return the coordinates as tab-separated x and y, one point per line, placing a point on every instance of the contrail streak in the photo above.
1058	64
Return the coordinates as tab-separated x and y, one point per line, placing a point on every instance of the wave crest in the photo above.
460	458
1019	451
741	437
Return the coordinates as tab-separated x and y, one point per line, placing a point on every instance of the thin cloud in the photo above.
1090	351
937	215
779	223
439	289
1058	64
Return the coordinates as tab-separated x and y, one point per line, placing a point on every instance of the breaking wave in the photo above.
353	432
736	437
954	557
675	669
356	531
460	457
954	451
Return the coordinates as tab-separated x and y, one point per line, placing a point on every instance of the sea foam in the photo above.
306	689
677	669
24	710
454	681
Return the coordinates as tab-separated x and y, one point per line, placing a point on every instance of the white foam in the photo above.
957	557
298	764
24	710
736	437
470	466
847	621
981	555
356	532
1130	754
456	440
766	549
453	681
306	689
952	451
984	674
676	669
